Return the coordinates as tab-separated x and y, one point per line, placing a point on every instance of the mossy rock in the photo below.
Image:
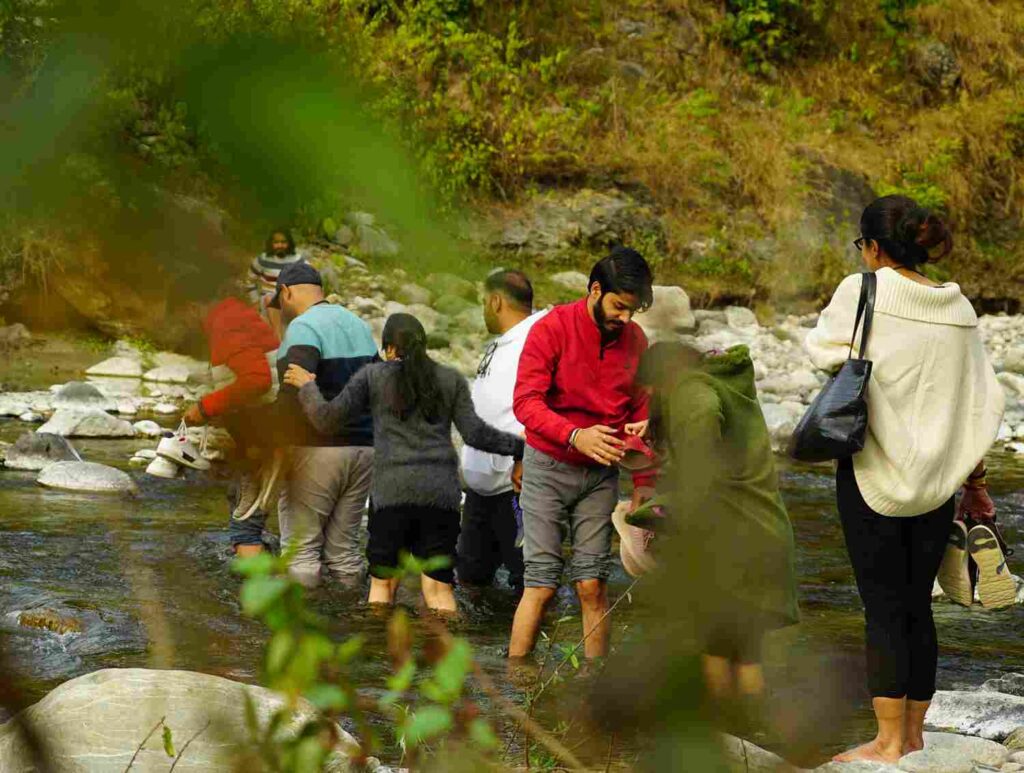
48	620
452	305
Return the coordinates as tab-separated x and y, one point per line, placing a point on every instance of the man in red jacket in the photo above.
242	341
575	396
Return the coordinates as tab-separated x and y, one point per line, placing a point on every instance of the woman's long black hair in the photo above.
417	387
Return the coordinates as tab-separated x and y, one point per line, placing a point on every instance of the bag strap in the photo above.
865	310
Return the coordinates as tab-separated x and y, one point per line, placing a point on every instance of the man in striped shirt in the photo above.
278	252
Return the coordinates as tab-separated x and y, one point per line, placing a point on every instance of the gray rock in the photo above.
471	321
949	753
36	450
30	417
13	404
85	476
411	294
372	242
124	367
125	406
782	419
936	67
704	314
1011	684
744	756
344	235
95	723
452	305
740	317
669	315
1014	742
165	409
1017	757
114	386
450	284
92	423
356	219
573	280
857	767
148	428
992	715
168	374
1013	360
13	336
81	396
432	321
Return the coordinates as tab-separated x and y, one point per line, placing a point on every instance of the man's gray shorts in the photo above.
559	499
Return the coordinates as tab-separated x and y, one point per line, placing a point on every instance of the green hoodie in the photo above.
722	492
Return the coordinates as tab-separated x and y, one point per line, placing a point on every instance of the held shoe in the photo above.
996	588
179	449
633	543
954	578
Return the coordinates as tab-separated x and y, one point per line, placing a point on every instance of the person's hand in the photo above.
600	444
297	376
517	477
193	416
977	505
638	428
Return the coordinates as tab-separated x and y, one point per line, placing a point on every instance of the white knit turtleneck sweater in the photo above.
934	404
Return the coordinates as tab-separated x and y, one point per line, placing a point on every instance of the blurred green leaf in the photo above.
481	733
426	723
168	740
327	697
259	593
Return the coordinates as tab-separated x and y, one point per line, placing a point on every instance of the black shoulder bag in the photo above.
837	421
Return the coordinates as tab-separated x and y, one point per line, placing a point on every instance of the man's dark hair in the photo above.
268	246
514	285
624	270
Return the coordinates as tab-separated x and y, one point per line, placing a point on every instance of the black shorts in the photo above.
423	532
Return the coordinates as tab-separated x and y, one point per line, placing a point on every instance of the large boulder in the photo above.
450	284
122	367
13	404
86	476
1011	684
82	396
91	423
743	756
36	450
168	374
949	753
992	715
670	315
95	723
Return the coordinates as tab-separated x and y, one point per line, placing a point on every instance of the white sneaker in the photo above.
179	449
163	468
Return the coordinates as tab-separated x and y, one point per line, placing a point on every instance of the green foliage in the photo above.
923	183
772	31
302	661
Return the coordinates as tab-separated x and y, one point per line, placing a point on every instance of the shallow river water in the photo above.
149	579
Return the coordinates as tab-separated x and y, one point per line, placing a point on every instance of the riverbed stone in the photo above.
90	423
740	317
782	419
950	753
741	755
148	428
81	396
1015	743
670	314
451	284
571	280
124	367
984	713
13	404
165	409
410	294
85	476
168	374
95	723
36	450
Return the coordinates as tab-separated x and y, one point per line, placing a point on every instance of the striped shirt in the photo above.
266	268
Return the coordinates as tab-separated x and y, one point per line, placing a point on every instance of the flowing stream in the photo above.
149	580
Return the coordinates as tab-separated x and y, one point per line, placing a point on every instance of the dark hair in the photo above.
268	246
418	388
624	271
905	231
660	367
514	285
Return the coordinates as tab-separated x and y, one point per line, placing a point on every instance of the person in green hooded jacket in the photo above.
725	535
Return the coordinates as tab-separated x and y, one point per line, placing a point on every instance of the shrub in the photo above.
769	31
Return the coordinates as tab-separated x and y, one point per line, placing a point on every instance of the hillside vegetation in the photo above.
748	133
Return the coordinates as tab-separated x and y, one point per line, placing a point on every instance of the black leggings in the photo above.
895	560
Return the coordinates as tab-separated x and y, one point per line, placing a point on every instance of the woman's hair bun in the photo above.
906	231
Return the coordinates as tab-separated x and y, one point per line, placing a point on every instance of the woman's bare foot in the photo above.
872	751
913	745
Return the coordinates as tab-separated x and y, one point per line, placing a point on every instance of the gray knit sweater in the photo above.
414	460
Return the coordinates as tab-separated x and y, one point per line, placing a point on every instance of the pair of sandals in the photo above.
982	542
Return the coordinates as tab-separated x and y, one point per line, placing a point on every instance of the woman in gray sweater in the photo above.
416	494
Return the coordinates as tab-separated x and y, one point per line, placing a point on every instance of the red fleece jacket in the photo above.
240	339
567	379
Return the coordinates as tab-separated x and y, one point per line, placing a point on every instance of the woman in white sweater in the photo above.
934	408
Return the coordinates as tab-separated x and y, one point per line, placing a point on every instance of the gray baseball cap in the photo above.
298	273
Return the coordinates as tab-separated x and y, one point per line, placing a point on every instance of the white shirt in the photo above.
934	404
489	474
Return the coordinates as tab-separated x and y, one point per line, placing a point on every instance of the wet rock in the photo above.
936	67
743	756
740	317
95	723
669	315
125	406
85	476
124	367
1011	684
165	409
991	715
30	417
115	386
91	423
148	428
81	396
168	374
572	280
48	620
949	753
36	450
13	405
410	294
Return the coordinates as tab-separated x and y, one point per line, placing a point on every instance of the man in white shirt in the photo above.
488	537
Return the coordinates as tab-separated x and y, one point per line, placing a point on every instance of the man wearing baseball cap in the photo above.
321	505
